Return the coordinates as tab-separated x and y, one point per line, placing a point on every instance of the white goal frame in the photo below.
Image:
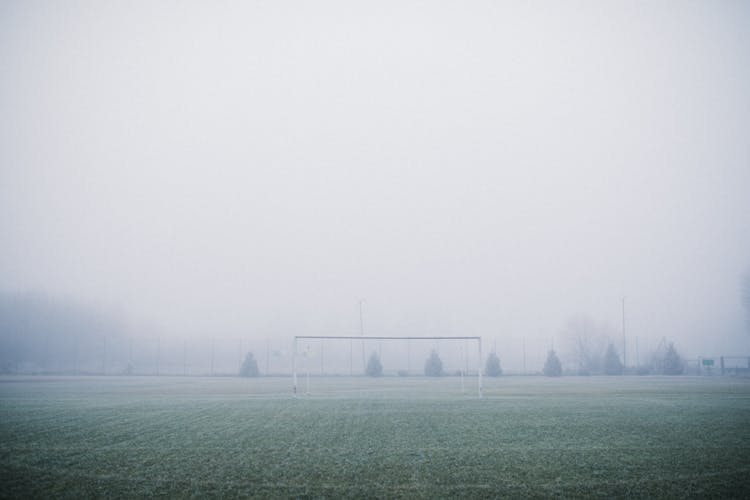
378	337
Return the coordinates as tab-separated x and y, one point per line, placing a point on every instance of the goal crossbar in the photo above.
385	337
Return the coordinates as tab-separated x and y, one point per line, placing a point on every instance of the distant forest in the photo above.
41	333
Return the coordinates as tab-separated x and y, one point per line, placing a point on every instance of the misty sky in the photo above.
468	168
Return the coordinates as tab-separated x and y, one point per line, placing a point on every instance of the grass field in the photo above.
392	437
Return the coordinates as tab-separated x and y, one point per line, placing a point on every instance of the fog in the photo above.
251	171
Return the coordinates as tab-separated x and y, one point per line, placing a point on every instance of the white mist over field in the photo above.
256	169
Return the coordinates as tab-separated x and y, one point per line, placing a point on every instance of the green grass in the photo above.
394	437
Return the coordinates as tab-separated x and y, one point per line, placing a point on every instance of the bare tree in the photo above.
587	343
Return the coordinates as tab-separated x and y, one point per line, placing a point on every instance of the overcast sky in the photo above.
468	168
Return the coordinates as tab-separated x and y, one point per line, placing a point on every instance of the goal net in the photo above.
386	356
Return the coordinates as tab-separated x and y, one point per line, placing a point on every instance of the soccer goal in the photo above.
387	356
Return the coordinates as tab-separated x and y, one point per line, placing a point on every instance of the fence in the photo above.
115	355
724	365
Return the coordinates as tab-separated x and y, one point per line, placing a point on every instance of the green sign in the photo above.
708	362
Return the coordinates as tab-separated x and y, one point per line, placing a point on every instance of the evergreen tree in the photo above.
433	367
492	367
612	364
374	367
552	367
672	362
249	367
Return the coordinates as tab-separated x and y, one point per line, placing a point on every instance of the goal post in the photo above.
377	338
